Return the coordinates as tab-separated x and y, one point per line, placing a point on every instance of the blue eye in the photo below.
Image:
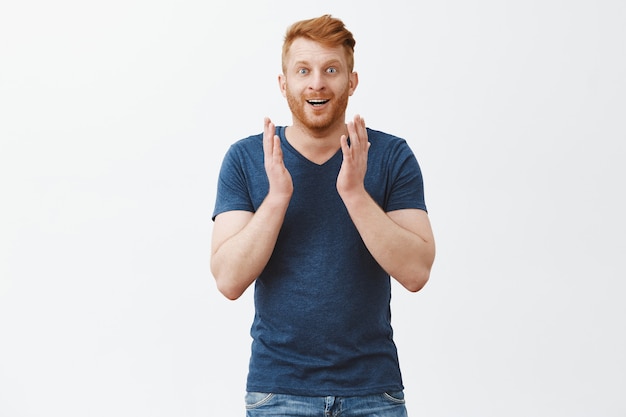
331	70
302	71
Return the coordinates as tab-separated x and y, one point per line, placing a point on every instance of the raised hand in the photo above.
278	176
354	165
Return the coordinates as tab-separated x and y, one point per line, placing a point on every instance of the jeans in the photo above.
260	404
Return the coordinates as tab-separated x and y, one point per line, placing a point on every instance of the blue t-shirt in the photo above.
322	323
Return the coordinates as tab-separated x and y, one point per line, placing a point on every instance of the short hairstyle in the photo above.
327	30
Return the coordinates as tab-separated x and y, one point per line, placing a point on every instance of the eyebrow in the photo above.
325	64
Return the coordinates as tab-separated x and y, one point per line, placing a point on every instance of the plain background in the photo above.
114	118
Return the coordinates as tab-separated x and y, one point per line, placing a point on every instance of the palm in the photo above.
277	174
354	166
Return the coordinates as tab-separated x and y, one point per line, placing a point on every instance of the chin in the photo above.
321	122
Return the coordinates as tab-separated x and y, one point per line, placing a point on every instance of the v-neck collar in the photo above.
286	145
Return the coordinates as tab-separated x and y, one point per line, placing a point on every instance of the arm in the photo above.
401	241
242	242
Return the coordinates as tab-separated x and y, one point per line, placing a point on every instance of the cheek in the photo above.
291	90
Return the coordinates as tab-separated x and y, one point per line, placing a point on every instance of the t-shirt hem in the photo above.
231	208
325	392
418	207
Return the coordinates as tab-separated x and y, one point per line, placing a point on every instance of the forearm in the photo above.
239	260
406	253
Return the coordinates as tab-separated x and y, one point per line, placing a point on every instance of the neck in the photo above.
316	145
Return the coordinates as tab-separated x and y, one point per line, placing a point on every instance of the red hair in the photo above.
326	30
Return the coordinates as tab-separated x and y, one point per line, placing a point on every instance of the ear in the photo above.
282	84
353	81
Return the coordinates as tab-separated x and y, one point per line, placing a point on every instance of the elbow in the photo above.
417	281
419	275
229	291
228	288
226	284
415	278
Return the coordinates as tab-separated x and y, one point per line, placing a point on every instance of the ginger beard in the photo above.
322	118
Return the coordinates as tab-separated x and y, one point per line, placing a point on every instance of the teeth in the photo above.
317	102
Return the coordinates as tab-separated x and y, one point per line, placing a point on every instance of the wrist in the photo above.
355	198
277	200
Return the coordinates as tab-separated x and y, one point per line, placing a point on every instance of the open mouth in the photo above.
317	102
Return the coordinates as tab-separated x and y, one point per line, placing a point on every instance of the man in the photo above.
319	215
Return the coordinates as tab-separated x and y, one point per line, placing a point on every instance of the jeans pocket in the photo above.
395	397
257	399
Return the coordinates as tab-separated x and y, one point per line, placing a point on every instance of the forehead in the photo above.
306	50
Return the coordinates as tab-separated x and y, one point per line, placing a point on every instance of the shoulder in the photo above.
251	142
380	135
384	139
246	149
386	143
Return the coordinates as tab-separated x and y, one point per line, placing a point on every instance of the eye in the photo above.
303	71
331	70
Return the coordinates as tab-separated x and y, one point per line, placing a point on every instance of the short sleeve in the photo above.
232	189
407	185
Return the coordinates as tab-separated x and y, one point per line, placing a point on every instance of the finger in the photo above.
345	149
359	134
277	151
266	124
268	135
359	123
362	130
352	134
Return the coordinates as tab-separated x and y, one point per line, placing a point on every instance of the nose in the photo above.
316	81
